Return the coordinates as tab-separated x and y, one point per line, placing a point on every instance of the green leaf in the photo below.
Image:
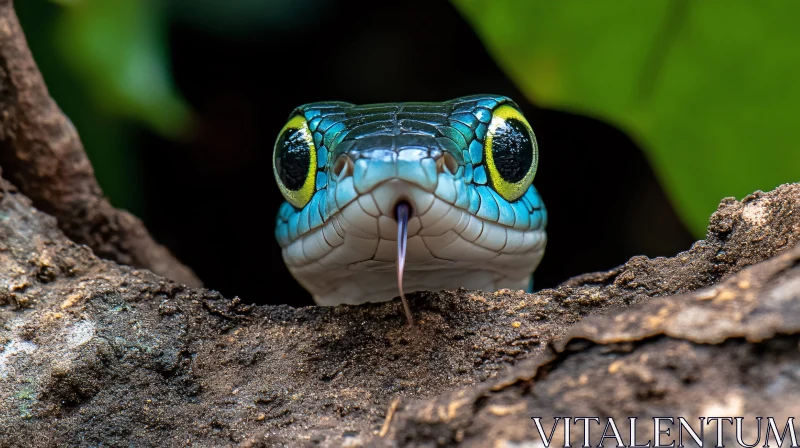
108	137
707	88
119	49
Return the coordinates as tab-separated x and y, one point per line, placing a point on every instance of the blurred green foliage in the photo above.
708	88
106	65
119	49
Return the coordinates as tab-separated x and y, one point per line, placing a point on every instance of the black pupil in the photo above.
512	150
292	157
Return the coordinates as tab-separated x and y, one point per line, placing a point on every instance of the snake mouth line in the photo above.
405	198
392	212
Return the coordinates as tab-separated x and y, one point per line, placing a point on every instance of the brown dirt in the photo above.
97	353
730	350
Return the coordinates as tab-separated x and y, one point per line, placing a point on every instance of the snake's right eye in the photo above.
294	162
510	152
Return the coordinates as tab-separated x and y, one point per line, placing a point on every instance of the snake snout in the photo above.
389	195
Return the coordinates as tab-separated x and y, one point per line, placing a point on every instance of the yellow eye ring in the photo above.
510	152
294	162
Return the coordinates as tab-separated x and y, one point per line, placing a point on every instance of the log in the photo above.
94	352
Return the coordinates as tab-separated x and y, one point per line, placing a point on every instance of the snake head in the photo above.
465	168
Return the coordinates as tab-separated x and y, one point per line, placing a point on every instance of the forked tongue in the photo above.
402	213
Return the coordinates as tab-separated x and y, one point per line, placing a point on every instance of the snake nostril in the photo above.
342	167
447	163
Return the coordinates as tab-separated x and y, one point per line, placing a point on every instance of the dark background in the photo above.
211	197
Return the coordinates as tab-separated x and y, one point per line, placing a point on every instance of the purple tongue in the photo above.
402	212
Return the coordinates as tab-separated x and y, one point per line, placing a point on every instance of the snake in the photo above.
390	198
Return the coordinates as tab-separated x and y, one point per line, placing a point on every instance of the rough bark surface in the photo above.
93	352
730	350
96	353
41	153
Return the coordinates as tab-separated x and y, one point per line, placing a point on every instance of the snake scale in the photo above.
415	196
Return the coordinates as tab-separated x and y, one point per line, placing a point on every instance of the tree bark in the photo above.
41	153
92	352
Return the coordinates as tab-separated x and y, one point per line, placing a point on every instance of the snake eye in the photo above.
294	162
510	152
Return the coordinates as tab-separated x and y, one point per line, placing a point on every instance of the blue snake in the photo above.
396	197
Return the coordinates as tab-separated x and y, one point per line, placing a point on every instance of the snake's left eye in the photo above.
510	152
294	162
